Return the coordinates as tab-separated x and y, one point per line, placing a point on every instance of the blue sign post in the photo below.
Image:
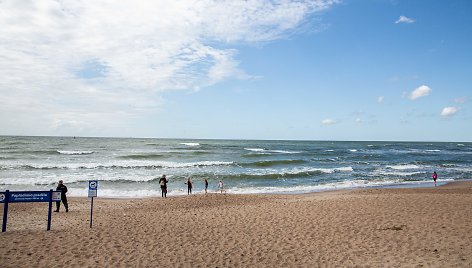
26	197
92	192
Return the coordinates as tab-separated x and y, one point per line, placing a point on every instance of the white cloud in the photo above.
380	99
76	63
419	92
358	120
328	122
449	111
404	19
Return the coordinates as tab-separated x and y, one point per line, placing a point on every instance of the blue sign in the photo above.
92	192
93	186
29	196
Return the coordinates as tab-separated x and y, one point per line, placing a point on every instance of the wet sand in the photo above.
420	227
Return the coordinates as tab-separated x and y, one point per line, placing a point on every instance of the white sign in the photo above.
56	196
92	193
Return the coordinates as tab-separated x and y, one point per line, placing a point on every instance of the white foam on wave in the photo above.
23	181
448	165
119	164
298	170
284	152
403	167
461	169
255	149
332	170
381	172
352	150
352	184
190	143
260	150
344	169
195	164
74	152
432	150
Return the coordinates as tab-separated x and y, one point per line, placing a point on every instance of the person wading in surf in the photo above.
189	186
163	183
206	185
435	177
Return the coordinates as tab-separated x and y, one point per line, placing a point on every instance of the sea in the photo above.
131	167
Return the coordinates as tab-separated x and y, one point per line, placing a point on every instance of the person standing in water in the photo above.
206	185
189	186
435	177
163	183
221	186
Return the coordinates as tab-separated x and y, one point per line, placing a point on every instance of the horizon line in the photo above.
237	139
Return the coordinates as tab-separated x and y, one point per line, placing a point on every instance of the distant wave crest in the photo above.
266	151
289	173
144	156
403	167
125	165
74	152
270	163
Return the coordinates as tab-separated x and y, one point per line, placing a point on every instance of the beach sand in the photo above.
419	227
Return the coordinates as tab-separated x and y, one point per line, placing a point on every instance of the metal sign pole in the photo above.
49	210
91	213
5	211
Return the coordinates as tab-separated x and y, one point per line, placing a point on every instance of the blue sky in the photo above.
312	70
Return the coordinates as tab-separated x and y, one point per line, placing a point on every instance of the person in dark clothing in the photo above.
61	187
206	185
163	183
189	186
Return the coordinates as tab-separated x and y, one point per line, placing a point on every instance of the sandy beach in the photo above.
419	227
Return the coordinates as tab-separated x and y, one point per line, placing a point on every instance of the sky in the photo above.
397	70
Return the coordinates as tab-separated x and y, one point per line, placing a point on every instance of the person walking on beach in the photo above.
221	186
206	185
435	177
189	186
163	183
61	187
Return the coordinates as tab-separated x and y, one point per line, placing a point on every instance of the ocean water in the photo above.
127	167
